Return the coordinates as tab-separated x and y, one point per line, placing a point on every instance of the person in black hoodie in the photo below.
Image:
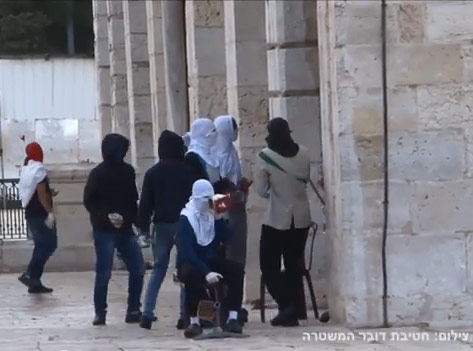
167	187
110	196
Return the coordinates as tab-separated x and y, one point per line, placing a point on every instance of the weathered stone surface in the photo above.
209	98
449	21
410	16
210	51
291	22
467	53
443	268
445	106
293	69
136	8
205	13
246	64
359	22
442	208
89	140
362	207
433	155
361	111
360	66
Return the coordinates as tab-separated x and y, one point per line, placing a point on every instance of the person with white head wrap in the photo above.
199	238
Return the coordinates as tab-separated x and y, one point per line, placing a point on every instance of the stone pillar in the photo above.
247	90
119	93
293	79
138	78
206	58
102	62
175	66
156	68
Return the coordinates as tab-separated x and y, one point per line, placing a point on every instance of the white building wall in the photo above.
52	102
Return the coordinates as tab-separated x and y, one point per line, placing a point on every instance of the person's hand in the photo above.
221	203
116	219
54	192
50	220
213	277
144	240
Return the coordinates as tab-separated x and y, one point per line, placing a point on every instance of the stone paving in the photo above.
62	321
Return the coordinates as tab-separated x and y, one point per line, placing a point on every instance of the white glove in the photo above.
144	241
50	220
213	277
116	219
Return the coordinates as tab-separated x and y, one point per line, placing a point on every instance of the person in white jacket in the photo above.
37	199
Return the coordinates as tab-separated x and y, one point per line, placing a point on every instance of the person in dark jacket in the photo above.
199	236
167	187
110	196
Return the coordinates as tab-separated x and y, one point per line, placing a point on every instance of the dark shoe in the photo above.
133	317
206	324
155	319
285	319
243	316
181	324
25	279
192	331
98	320
234	326
39	289
146	323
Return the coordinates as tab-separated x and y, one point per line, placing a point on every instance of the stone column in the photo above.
206	58
102	62
247	90
139	100
156	68
175	66
119	93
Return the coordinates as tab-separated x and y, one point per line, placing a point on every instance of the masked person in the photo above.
199	236
167	187
110	196
36	197
282	176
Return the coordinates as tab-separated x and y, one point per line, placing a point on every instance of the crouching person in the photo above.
110	196
199	237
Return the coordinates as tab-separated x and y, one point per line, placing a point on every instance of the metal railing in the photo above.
12	215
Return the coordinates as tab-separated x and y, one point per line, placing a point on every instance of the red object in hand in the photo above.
244	185
221	203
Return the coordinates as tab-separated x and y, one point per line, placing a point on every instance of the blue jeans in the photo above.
45	243
163	241
105	244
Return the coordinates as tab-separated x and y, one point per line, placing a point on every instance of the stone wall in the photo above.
430	93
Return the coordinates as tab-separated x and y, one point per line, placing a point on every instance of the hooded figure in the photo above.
32	173
279	139
227	156
110	197
200	155
199	237
167	187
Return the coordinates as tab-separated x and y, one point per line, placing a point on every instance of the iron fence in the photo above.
12	215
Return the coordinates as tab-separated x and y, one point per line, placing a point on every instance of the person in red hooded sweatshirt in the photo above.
37	199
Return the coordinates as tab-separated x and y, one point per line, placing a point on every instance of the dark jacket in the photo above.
167	186
111	187
190	252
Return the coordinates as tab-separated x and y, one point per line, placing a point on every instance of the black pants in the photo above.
288	244
195	282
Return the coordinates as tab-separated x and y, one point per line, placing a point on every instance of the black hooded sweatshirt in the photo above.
167	185
111	187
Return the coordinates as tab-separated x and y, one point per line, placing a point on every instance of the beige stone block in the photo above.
293	69
103	83
359	22
291	21
144	140
243	21
408	65
449	21
119	86
105	118
444	106
467	53
205	13
443	268
210	51
138	47
252	103
99	8
210	97
411	18
247	64
101	28
362	206
442	208
139	81
361	111
135	13
114	8
102	54
89	141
